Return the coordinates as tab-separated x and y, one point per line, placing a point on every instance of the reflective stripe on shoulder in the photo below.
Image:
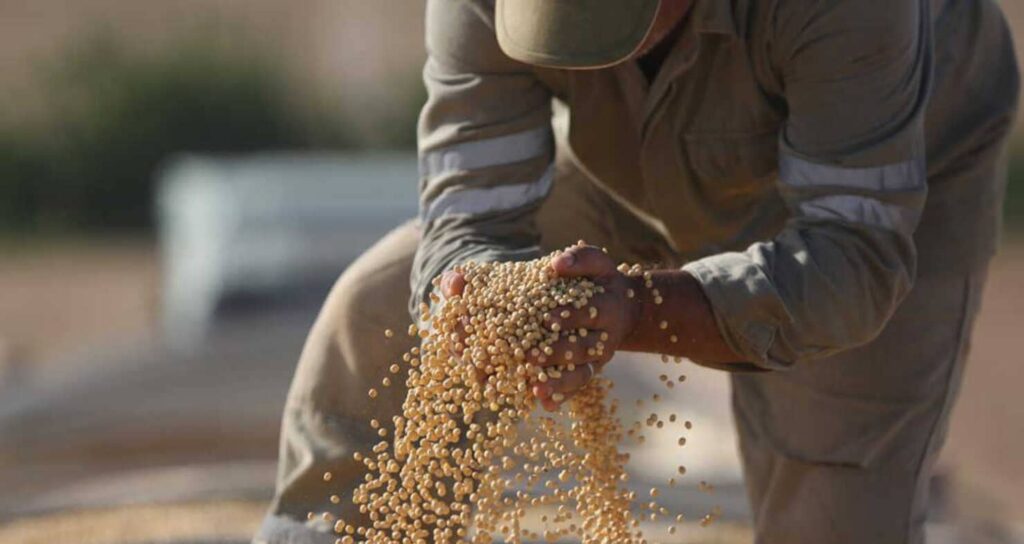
471	155
488	200
861	209
902	176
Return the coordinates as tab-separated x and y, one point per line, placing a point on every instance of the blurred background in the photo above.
181	181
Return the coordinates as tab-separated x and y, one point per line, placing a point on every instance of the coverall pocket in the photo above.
736	162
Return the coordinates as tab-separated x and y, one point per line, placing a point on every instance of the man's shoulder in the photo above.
462	31
461	38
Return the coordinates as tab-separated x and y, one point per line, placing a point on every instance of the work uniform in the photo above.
830	172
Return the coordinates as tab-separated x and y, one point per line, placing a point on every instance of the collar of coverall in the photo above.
528	30
713	17
706	17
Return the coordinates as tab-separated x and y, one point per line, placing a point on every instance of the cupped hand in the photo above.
592	334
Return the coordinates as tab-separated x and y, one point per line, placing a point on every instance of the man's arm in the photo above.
485	146
657	312
660	311
673	317
852	172
853	175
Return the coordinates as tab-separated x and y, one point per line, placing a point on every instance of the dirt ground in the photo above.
61	298
59	301
986	442
233	522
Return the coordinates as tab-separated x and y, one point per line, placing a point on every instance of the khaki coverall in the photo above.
832	174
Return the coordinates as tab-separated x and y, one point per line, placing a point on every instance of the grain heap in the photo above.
469	456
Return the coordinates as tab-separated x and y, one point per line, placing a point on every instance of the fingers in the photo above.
556	391
587	261
572	349
460	331
452	283
592	316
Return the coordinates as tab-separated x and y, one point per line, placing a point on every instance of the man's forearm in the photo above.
680	323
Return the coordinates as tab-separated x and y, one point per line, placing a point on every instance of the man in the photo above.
820	181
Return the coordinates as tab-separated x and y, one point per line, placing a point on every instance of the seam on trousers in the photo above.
774	459
745	442
959	358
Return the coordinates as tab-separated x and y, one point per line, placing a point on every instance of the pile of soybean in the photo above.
471	454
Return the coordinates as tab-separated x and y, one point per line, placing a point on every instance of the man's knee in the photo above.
345	354
373	292
347	341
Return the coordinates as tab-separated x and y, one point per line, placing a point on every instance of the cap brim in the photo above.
573	33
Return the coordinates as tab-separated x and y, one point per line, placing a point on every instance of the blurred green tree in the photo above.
117	116
114	115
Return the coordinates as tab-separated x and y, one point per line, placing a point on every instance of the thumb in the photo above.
452	283
586	261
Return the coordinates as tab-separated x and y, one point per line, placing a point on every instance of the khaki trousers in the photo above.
838	451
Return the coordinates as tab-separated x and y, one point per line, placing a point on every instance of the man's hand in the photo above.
671	317
592	334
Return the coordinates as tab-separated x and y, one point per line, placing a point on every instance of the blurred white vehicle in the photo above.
257	227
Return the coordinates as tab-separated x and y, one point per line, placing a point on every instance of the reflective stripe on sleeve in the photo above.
490	199
861	209
471	155
902	176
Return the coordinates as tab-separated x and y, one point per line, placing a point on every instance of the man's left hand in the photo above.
593	333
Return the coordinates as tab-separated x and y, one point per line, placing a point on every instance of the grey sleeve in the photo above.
485	145
852	172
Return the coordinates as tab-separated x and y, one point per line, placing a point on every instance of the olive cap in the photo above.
573	33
